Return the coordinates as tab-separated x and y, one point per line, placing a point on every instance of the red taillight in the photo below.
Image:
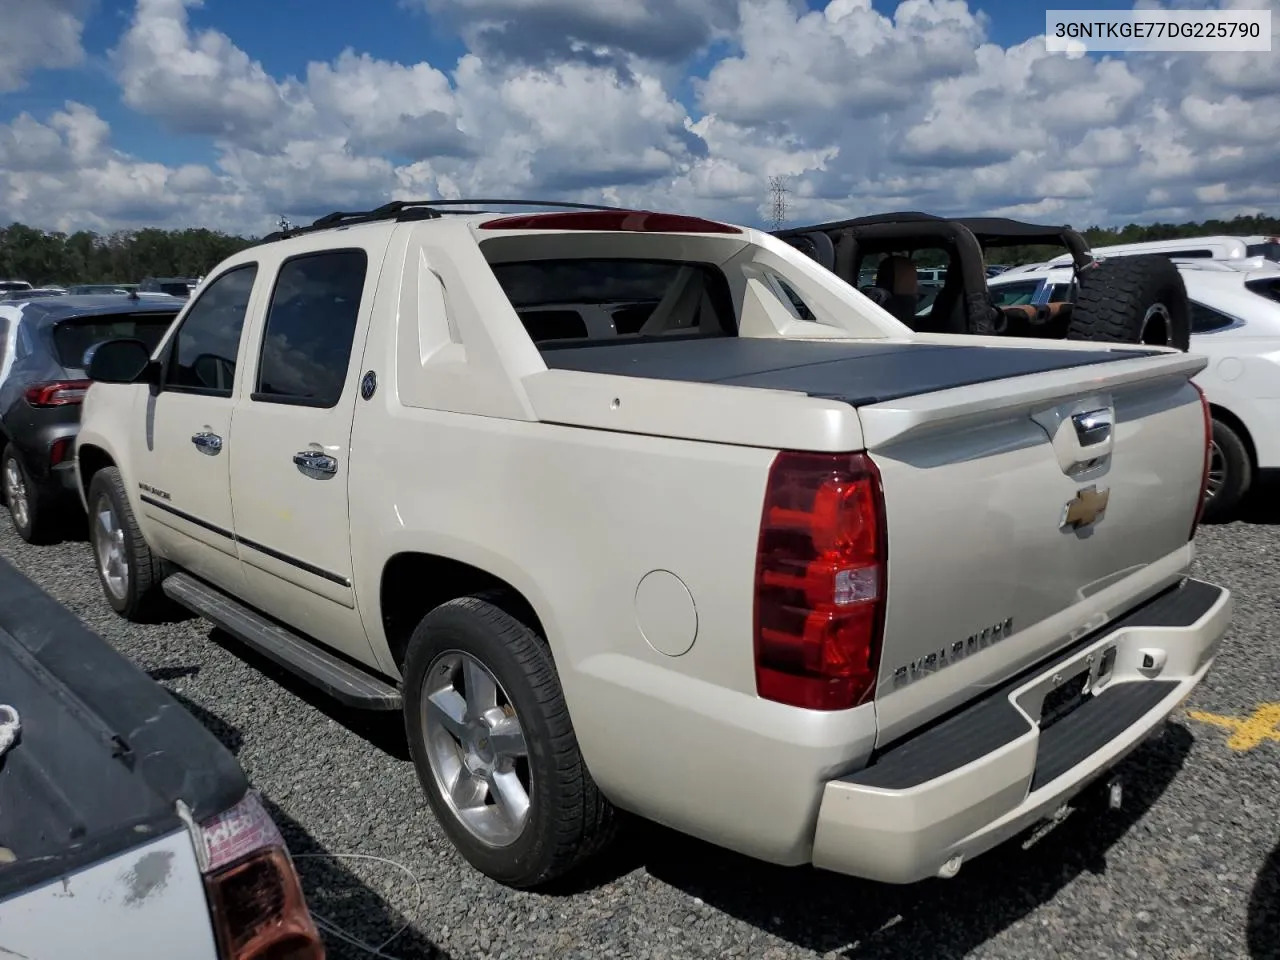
626	221
820	581
58	393
1208	459
255	899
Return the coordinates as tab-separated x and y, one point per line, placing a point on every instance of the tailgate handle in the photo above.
1092	427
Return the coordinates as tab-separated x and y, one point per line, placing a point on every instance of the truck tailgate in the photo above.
104	753
1024	514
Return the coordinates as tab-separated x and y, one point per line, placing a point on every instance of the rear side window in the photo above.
1206	319
617	299
71	338
311	326
203	359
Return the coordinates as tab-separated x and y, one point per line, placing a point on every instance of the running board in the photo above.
344	682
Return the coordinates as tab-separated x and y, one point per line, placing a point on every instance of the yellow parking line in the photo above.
1246	732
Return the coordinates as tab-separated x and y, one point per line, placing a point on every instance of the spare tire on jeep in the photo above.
1139	299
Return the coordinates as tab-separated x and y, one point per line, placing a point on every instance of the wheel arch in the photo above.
1221	413
90	458
414	583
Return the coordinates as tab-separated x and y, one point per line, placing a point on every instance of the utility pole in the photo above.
778	193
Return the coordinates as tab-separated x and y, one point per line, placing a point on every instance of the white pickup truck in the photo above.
584	496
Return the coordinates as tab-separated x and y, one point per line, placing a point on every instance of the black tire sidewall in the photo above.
452	628
106	483
1239	473
29	532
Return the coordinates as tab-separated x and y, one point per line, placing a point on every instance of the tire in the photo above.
1132	300
567	820
28	504
132	588
1230	473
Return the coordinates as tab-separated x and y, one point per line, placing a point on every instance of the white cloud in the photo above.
863	112
37	34
64	174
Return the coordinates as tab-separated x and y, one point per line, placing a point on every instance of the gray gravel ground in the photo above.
1189	868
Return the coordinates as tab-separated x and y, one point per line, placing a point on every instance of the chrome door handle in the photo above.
207	442
316	461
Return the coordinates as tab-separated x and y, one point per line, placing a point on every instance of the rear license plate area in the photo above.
1064	698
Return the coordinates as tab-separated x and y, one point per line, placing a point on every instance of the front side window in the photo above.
311	326
203	356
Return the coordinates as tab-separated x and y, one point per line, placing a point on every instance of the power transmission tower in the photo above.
778	192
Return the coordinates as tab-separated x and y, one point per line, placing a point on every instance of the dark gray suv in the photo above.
42	385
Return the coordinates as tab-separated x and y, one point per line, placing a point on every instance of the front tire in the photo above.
495	751
1230	473
129	573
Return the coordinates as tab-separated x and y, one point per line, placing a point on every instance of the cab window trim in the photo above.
170	349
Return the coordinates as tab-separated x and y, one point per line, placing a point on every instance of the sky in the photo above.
117	114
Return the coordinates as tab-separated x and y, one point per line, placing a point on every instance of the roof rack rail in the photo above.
408	210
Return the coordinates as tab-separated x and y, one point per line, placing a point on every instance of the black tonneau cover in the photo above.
105	752
858	373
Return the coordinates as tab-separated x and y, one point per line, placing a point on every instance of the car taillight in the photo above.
1208	460
255	897
820	581
59	449
58	393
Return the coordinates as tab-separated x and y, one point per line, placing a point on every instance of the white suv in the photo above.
1235	321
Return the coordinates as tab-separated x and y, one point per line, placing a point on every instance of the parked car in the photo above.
639	509
32	293
127	830
41	391
83	289
174	286
1134	299
1192	248
7	286
1235	322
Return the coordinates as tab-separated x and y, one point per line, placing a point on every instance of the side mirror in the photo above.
118	361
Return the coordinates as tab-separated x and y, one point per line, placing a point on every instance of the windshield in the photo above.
71	338
176	289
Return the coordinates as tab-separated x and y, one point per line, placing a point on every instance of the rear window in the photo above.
1269	288
71	338
578	300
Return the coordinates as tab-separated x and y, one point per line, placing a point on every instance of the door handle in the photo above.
316	461
209	443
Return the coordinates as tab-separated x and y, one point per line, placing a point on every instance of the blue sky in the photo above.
227	112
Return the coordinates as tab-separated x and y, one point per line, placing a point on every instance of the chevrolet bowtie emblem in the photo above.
1085	509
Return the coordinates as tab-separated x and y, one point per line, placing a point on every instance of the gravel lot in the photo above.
1189	868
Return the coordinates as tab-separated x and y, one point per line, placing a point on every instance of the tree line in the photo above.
126	256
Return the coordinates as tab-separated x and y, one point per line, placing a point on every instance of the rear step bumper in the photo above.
996	768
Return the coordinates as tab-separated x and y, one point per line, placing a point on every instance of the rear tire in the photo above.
26	501
129	573
1132	300
480	687
1230	473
